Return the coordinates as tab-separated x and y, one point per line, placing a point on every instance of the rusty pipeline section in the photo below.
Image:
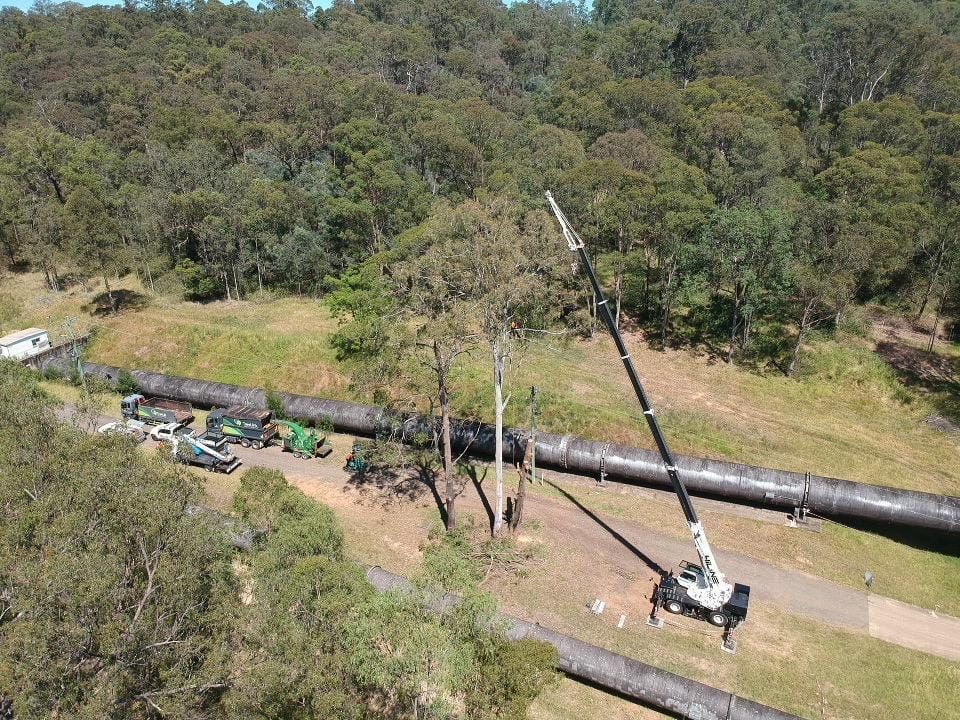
759	486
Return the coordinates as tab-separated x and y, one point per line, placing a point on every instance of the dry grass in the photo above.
918	576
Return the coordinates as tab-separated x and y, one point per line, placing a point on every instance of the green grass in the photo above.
847	415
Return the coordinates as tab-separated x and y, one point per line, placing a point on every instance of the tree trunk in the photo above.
666	301
936	318
226	284
646	285
517	517
498	361
618	279
801	336
931	281
113	302
449	484
236	284
734	321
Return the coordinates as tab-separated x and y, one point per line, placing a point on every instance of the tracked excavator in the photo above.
698	591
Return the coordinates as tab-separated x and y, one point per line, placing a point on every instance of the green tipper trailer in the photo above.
248	426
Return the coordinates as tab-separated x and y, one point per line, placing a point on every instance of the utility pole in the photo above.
533	434
70	323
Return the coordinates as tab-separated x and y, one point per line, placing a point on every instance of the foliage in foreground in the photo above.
114	601
118	601
321	643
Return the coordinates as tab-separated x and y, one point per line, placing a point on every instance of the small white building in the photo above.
24	343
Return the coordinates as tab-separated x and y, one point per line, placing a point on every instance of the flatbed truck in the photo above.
210	454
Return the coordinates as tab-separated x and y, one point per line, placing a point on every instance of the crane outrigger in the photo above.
699	591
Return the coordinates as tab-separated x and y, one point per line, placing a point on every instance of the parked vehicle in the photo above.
211	455
248	426
156	411
129	428
165	432
700	590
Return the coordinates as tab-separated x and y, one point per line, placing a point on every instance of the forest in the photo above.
745	174
749	178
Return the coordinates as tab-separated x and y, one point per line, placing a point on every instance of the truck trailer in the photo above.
156	411
240	424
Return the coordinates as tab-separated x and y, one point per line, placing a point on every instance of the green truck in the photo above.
240	424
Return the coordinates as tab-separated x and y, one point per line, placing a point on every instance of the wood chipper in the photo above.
303	443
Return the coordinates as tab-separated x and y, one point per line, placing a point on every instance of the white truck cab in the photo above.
692	577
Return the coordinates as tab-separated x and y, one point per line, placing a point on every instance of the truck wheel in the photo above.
297	455
257	445
717	618
208	468
245	442
673	606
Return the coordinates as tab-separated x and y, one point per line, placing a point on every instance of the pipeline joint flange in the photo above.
562	449
602	480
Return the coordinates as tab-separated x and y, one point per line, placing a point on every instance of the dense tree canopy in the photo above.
272	149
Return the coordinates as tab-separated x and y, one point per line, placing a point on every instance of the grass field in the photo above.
918	575
785	661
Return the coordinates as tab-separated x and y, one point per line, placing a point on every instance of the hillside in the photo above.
848	415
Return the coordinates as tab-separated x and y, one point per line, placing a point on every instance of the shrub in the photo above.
197	285
126	385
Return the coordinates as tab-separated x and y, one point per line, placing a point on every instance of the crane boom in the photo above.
717	590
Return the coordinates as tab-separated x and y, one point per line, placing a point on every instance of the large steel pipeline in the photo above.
764	487
650	685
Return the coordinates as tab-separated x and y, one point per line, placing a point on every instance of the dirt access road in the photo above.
619	560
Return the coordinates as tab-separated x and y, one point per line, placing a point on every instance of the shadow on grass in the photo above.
387	486
928	371
123	300
642	556
471	472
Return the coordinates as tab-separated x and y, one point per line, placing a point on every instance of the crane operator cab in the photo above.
692	577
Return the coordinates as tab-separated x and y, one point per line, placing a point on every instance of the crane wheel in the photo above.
717	618
673	606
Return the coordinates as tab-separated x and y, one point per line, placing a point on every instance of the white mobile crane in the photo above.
699	591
